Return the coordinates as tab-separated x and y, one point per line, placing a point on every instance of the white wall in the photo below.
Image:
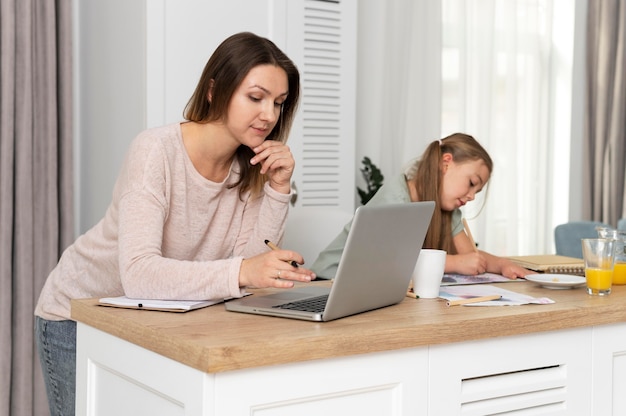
121	92
137	64
98	158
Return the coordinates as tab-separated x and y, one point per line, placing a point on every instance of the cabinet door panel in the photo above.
609	370
390	383
546	372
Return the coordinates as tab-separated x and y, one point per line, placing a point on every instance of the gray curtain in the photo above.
36	208
605	136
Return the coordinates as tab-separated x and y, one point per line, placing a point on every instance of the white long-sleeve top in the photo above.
169	233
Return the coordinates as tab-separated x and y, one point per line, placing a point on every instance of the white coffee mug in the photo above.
428	273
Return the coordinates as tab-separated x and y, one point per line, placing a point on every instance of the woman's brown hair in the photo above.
428	177
222	75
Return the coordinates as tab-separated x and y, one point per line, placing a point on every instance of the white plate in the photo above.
556	281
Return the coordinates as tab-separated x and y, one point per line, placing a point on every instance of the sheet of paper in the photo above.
508	297
450	279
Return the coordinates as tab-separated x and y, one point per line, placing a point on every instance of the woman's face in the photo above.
461	181
255	106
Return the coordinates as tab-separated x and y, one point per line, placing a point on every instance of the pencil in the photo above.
474	300
410	294
275	247
469	234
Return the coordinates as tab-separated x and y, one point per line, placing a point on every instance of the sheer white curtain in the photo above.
506	79
399	72
500	70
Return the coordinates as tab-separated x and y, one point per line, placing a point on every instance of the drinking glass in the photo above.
599	256
619	268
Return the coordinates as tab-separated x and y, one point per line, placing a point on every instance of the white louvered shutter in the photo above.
321	39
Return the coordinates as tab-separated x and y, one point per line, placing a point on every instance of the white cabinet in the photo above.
570	372
137	64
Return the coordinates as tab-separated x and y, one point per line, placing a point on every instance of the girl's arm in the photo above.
470	261
503	266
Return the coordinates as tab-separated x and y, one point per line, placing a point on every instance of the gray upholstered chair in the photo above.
567	236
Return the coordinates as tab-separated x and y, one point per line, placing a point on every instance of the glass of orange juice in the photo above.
599	256
619	269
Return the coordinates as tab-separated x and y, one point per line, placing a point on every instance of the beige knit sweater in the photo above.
169	233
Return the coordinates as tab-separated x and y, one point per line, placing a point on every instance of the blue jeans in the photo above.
56	344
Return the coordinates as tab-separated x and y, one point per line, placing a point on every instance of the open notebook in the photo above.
551	263
374	271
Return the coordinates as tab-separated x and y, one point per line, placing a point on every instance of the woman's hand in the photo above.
277	162
273	269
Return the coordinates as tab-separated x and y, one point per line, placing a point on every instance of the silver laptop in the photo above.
374	271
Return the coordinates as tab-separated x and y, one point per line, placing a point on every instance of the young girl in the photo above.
192	206
450	172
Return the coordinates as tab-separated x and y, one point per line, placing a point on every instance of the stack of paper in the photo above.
507	297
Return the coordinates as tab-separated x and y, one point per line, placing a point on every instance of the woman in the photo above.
191	208
450	172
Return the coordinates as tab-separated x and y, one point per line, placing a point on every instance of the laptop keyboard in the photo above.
315	304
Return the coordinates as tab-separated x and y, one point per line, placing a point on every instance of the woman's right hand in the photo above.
273	269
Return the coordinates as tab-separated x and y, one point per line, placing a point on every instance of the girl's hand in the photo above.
273	269
277	162
469	264
512	270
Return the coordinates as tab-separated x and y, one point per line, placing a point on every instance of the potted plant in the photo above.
373	180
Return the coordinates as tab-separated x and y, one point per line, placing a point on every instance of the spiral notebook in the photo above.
551	263
157	305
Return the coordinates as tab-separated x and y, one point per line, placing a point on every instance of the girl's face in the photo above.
255	106
461	181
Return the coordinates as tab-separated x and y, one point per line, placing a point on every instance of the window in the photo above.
507	80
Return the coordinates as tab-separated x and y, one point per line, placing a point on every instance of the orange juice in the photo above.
619	274
599	279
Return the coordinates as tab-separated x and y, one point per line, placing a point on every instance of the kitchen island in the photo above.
419	357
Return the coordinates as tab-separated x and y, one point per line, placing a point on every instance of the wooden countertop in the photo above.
214	340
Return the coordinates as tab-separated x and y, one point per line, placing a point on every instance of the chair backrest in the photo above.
310	229
621	224
567	236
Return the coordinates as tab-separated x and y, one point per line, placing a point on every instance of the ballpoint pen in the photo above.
275	247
